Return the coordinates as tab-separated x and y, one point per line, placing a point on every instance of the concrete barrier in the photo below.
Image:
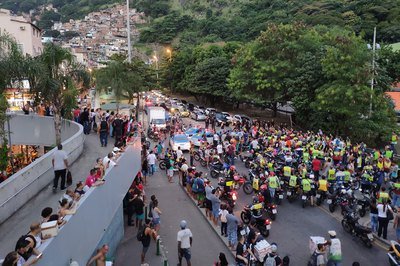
98	219
26	183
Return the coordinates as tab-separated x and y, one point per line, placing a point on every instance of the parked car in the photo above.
183	112
209	111
198	115
200	108
190	107
221	118
179	140
242	118
197	138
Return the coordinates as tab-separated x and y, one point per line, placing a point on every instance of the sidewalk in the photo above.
18	224
391	234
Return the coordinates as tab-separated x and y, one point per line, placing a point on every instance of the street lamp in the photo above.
169	52
374	47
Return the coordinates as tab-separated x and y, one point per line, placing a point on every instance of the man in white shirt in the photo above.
60	165
108	161
179	153
220	150
151	159
185	239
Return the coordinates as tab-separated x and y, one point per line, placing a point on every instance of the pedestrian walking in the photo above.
335	250
374	216
144	236
232	226
222	216
151	158
100	257
385	212
185	240
155	214
103	131
60	165
145	170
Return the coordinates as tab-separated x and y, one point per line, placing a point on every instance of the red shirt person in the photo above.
316	166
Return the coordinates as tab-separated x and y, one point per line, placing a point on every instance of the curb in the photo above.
376	237
210	223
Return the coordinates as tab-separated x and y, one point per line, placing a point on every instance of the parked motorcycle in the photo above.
321	196
362	201
263	225
394	253
350	225
217	169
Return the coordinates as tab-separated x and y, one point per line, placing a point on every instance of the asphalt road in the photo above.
294	225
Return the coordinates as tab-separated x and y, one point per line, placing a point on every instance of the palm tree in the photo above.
54	77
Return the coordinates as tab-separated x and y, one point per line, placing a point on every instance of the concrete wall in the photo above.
98	219
36	130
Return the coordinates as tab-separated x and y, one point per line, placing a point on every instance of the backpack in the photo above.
103	126
270	261
313	259
140	233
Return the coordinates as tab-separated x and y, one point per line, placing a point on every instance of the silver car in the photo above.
198	116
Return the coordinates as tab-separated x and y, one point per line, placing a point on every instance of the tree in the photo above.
54	77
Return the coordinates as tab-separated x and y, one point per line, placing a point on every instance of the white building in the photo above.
27	35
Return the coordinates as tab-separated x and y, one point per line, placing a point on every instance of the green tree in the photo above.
55	77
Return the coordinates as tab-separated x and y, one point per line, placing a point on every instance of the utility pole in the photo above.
373	72
128	31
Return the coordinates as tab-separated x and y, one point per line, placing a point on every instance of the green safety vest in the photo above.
376	155
359	161
306	185
388	154
271	166
331	174
347	176
383	196
273	182
396	185
368	177
306	156
293	181
304	172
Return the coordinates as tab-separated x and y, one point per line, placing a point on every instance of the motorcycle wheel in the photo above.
362	212
196	156
368	243
291	199
247	164
278	201
148	144
203	163
273	216
356	185
245	218
264	232
247	188
319	201
303	204
162	165
346	227
332	208
214	174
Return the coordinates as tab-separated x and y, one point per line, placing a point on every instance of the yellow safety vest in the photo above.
306	185
383	196
257	206
387	164
255	183
323	185
331	174
380	165
306	156
347	176
287	171
293	181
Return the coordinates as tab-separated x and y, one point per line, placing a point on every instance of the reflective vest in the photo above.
306	185
359	162
335	250
388	154
273	182
293	181
287	171
368	177
394	139
380	165
347	176
376	155
257	206
396	185
383	197
323	185
303	173
387	164
306	156
331	174
255	183
270	166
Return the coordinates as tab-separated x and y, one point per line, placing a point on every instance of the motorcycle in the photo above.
394	253
340	200
217	169
230	198
292	193
263	225
305	198
350	225
279	195
362	201
321	196
197	155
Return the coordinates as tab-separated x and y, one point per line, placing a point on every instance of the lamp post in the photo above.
156	60
374	47
128	31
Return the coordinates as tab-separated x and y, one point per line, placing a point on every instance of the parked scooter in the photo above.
350	225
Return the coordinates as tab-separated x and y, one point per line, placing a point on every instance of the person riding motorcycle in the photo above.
306	186
274	183
256	208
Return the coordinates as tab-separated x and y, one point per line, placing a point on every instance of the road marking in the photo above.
339	220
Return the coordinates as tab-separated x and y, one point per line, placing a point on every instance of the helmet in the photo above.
274	247
271	173
232	168
255	200
312	176
263	187
343	191
183	224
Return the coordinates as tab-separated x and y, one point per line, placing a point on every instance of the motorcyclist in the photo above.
306	186
274	184
256	208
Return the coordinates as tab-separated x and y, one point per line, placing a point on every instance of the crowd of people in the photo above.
314	161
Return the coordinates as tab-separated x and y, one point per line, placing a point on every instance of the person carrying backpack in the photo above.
272	259
318	257
144	235
103	132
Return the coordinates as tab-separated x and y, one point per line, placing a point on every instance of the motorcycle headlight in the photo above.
234	197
